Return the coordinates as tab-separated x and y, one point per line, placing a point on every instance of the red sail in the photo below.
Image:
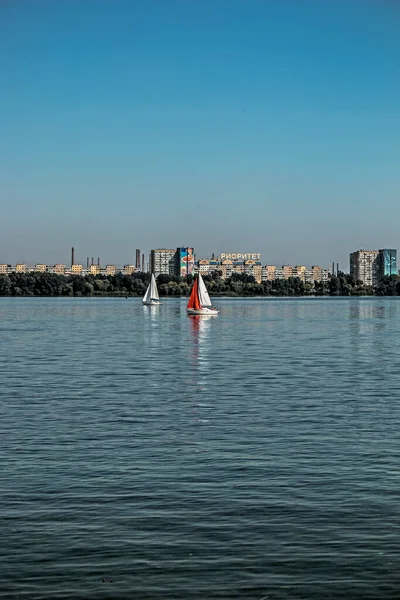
194	297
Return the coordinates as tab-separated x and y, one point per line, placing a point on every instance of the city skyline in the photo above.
146	261
132	259
274	124
367	266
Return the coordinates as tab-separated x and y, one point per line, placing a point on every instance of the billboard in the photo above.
241	256
186	261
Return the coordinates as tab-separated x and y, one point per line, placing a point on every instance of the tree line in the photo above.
49	284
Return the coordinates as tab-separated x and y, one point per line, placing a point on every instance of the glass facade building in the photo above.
387	262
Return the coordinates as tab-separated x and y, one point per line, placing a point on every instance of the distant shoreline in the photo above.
45	285
216	296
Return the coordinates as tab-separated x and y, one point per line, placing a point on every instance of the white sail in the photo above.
151	292
204	298
147	296
153	288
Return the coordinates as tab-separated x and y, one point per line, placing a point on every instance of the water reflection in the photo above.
200	381
367	316
152	315
200	328
370	321
151	312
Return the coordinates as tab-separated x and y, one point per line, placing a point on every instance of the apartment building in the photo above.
94	270
162	261
364	265
110	270
129	269
370	266
287	271
76	269
299	272
203	266
59	269
20	268
41	268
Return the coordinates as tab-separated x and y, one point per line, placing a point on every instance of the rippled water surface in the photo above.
253	455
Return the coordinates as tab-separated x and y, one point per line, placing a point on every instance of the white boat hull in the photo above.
151	302
203	311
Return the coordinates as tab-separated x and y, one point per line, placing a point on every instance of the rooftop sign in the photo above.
239	256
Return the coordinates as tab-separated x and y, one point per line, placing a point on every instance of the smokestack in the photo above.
337	268
137	263
98	262
92	260
87	262
72	256
333	269
142	263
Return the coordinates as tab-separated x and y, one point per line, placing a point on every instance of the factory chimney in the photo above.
142	263
137	264
98	262
87	262
72	256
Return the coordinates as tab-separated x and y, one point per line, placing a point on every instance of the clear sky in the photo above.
267	126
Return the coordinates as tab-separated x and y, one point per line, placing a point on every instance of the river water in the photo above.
149	455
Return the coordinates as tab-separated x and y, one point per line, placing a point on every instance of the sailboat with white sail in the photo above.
199	301
151	297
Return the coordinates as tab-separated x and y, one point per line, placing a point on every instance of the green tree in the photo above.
5	285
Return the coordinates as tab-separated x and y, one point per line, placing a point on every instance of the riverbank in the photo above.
232	296
237	286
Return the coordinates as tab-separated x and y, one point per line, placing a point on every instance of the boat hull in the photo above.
151	303
211	312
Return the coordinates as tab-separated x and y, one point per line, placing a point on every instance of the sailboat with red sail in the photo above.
199	301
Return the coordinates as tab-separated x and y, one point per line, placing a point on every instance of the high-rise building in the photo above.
184	261
387	262
137	262
364	265
162	261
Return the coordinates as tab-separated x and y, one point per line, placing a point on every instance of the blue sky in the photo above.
228	125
